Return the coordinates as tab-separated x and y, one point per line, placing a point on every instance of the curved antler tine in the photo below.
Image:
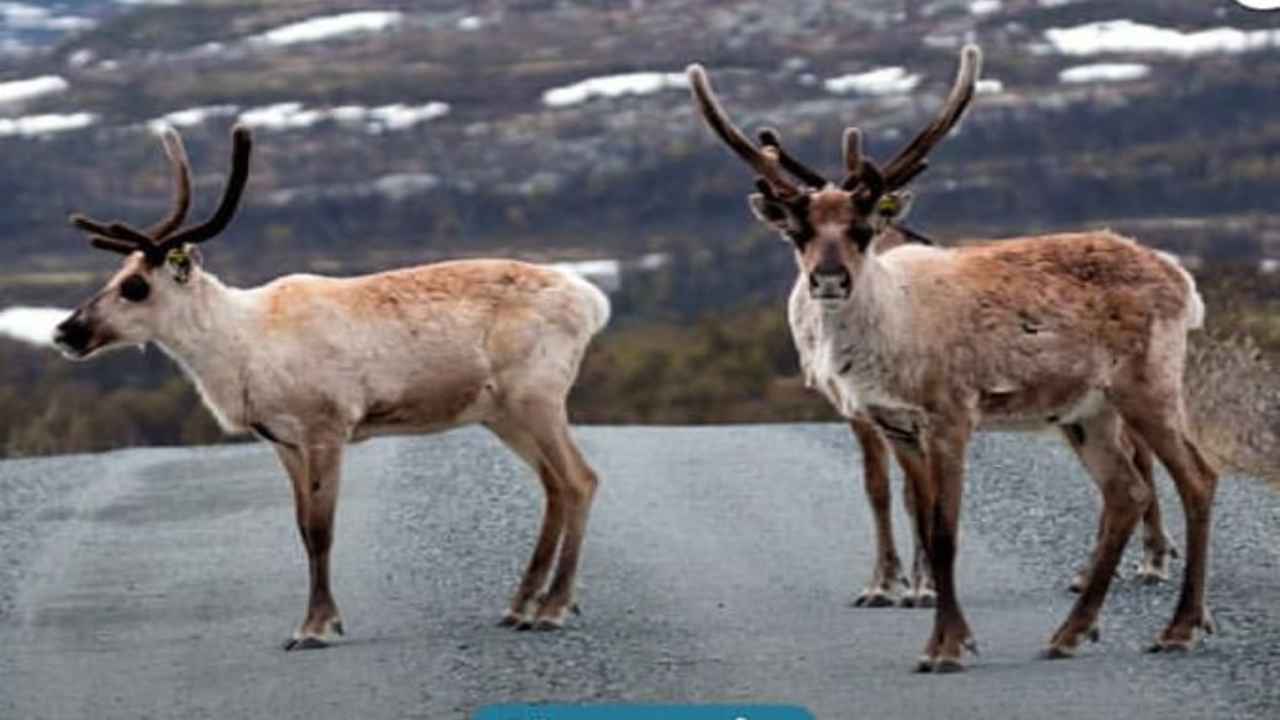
720	124
112	245
853	160
241	146
852	146
910	173
954	106
177	154
83	222
121	231
769	137
872	183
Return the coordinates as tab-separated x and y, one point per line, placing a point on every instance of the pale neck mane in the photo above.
211	337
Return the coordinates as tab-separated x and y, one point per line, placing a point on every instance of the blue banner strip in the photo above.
642	712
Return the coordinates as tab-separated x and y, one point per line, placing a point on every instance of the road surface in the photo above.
719	566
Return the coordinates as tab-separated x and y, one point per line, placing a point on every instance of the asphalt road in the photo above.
719	565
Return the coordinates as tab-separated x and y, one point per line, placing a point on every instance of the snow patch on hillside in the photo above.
24	16
1104	72
327	27
610	86
192	116
31	88
1121	36
881	81
39	125
294	115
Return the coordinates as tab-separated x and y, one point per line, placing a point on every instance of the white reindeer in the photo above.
311	363
1083	331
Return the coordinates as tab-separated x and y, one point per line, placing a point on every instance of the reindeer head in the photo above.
154	285
832	226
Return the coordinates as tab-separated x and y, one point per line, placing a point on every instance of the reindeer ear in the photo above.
769	212
892	207
179	262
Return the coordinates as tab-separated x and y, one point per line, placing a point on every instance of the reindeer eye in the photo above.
861	234
135	288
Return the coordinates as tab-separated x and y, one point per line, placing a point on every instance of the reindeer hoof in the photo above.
306	643
547	625
1152	576
509	619
939	665
919	600
1057	652
873	599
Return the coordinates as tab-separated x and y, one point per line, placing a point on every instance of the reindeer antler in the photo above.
766	162
156	241
863	176
910	161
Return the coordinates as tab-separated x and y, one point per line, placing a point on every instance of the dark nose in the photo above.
827	281
73	333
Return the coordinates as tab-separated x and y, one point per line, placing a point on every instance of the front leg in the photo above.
875	477
935	468
315	471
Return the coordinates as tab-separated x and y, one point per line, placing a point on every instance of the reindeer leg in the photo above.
920	592
934	465
315	471
1197	482
875	478
580	483
1157	547
519	613
1097	441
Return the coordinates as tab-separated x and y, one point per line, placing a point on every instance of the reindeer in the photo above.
311	363
918	589
1086	332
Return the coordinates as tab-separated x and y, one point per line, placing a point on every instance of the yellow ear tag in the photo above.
889	206
179	262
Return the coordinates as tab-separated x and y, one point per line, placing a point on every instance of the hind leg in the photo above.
1098	443
1157	548
520	612
1196	481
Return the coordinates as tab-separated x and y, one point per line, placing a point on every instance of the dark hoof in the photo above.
576	609
546	626
1094	634
338	628
509	620
948	665
306	643
1053	652
926	601
924	665
524	626
1167	646
873	600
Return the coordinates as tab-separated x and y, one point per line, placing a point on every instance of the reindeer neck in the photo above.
211	339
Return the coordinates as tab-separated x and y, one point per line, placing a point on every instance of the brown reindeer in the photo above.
311	363
1082	331
918	588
